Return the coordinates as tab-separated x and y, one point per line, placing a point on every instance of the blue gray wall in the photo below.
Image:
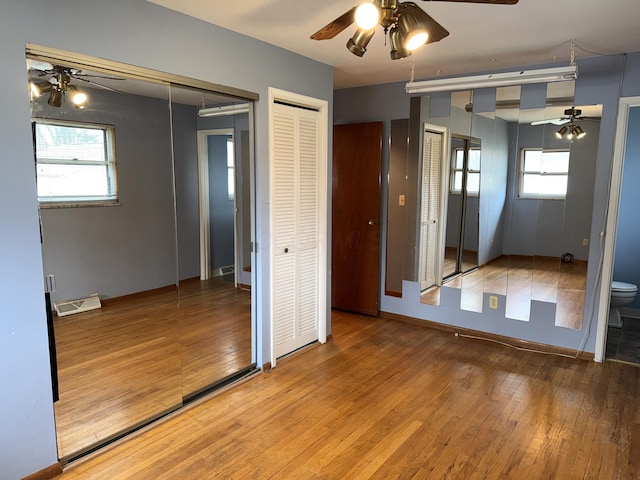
220	207
627	260
138	33
131	247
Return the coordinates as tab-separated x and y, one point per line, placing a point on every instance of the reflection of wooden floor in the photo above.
215	331
389	400
134	359
523	279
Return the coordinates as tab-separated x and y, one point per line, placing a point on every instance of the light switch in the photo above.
401	200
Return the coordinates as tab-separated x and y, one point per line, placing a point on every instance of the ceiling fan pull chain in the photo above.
413	71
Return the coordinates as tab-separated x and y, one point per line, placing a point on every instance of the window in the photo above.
231	178
543	173
473	171
75	163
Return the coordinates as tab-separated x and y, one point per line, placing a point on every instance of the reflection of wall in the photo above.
121	249
627	261
185	151
552	227
220	207
395	216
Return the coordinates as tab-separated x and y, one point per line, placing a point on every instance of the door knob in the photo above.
372	222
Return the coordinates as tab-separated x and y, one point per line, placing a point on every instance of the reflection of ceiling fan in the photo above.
570	131
409	26
56	80
571	114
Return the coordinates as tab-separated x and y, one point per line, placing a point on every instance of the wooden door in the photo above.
355	260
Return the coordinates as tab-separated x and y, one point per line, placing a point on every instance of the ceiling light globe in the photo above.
416	40
367	16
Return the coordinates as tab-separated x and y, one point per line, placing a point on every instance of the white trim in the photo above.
624	106
322	106
203	201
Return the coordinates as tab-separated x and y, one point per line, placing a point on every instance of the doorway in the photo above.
626	105
218	209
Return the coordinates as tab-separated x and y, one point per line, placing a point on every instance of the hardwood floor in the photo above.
387	400
137	357
522	279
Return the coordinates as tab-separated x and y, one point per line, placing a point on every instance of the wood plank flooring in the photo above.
387	400
523	279
136	358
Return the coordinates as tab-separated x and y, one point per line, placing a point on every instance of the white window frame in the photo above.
522	173
110	163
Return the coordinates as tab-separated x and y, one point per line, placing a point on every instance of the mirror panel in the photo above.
119	365
215	286
522	238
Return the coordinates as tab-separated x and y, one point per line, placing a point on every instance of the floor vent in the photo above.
222	271
69	307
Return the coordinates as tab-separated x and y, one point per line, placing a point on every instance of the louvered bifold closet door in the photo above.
430	208
295	228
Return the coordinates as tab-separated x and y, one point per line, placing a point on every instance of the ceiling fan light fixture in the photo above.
579	132
412	32
560	133
358	43
39	88
77	97
55	98
398	50
367	16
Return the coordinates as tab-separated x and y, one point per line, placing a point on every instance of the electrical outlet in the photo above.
585	242
401	200
493	302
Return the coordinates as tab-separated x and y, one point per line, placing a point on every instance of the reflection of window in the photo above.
231	179
543	173
75	163
473	171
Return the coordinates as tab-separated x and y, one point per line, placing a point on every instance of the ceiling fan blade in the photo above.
436	31
496	2
337	26
99	85
552	121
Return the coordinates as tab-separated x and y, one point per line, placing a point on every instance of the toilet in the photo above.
621	294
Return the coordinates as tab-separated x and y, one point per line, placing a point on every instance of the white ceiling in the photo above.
482	37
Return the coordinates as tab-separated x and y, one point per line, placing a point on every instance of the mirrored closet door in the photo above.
150	290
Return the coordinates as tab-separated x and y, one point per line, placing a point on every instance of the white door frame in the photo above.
322	106
609	234
203	202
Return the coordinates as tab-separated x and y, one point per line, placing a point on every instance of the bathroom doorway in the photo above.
622	342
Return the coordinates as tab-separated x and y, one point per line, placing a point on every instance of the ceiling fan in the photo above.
56	80
409	27
570	131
